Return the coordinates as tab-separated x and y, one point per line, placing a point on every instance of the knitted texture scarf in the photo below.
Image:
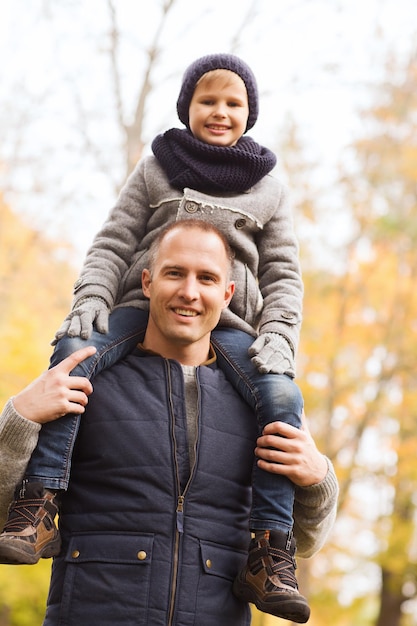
189	162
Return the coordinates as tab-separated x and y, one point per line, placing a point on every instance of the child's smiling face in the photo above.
219	108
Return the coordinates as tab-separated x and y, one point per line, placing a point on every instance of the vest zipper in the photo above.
180	502
180	514
179	530
180	505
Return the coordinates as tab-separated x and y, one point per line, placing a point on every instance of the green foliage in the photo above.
23	593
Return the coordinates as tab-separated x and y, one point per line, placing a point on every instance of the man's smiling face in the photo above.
188	288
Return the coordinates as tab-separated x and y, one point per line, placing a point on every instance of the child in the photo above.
208	171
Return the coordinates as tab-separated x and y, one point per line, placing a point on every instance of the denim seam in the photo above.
241	374
109	347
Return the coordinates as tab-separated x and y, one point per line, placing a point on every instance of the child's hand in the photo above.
271	353
79	323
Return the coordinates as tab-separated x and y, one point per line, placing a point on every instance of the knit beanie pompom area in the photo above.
217	62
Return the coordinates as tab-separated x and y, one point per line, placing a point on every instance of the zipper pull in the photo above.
180	514
22	490
289	539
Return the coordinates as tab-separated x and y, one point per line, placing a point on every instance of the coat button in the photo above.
191	207
208	563
240	223
75	554
141	555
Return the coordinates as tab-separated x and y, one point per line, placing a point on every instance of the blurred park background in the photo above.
84	88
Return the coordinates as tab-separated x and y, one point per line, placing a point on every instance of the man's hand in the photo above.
271	353
55	393
79	323
291	452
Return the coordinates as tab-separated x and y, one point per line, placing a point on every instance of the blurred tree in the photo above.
387	210
35	288
357	361
35	293
132	132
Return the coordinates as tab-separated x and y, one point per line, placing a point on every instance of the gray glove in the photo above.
79	323
272	353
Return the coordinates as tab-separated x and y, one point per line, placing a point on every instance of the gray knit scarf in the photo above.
189	162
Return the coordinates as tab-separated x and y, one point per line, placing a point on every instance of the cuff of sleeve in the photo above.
320	493
83	290
16	431
289	332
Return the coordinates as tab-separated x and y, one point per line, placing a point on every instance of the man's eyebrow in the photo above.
210	271
172	266
183	268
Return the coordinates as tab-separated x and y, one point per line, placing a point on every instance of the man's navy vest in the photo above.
144	541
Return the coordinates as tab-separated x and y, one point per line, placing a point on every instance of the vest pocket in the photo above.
106	579
219	560
219	567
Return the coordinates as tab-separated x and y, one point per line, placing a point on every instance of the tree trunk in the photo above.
391	600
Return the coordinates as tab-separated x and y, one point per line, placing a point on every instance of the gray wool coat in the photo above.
257	223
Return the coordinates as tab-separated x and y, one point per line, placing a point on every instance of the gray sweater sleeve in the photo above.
315	510
18	438
111	253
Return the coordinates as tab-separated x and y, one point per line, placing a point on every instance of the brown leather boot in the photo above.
30	532
268	579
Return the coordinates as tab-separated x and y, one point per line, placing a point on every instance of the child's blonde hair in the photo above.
228	77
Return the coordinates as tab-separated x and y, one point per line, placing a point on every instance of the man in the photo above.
154	524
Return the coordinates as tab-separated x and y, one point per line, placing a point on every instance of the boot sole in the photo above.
12	554
294	609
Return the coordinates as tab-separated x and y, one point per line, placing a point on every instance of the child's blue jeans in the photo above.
273	397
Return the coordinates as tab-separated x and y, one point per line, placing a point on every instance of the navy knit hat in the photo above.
217	62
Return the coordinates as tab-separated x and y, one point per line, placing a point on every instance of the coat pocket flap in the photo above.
110	548
220	560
